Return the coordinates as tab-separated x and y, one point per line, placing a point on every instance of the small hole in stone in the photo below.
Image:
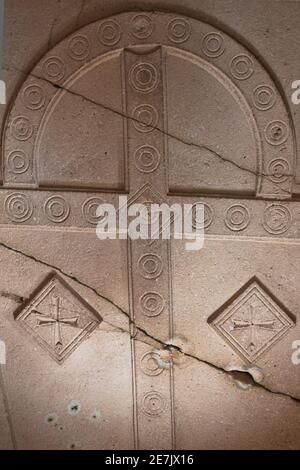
96	415
245	377
51	419
74	408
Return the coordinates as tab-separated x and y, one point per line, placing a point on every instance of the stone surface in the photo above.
148	345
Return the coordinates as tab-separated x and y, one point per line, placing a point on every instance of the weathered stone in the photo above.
147	345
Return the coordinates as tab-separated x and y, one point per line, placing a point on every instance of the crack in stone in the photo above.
230	373
51	33
14	297
136	329
133	334
162	131
82	6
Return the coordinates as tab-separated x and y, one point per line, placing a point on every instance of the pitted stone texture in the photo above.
183	108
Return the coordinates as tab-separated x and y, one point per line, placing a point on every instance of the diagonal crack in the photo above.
14	297
51	34
169	346
162	131
81	9
135	329
229	373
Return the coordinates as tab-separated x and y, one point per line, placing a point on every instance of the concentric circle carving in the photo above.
21	128
128	30
54	69
109	33
150	364
145	118
18	207
279	170
237	217
89	210
276	132
207	216
144	77
57	209
179	30
152	304
147	158
33	96
242	67
17	162
150	266
213	45
277	219
141	26
79	47
154	404
264	97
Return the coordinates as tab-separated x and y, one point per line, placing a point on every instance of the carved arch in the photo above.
59	73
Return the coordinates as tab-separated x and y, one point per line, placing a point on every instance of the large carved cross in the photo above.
252	324
146	135
56	320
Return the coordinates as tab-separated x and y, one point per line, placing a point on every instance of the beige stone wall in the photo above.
101	392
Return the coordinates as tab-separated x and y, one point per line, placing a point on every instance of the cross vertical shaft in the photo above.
149	263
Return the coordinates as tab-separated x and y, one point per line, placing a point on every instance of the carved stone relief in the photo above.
163	108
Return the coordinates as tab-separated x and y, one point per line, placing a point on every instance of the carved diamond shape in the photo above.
58	318
252	320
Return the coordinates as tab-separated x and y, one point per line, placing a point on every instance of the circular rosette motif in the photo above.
276	132
147	159
89	210
145	118
264	97
208	215
213	45
141	26
279	170
79	47
150	266
144	77
17	162
237	217
242	67
57	209
109	33
152	304
21	128
54	69
33	97
179	30
18	207
277	219
154	404
150	363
